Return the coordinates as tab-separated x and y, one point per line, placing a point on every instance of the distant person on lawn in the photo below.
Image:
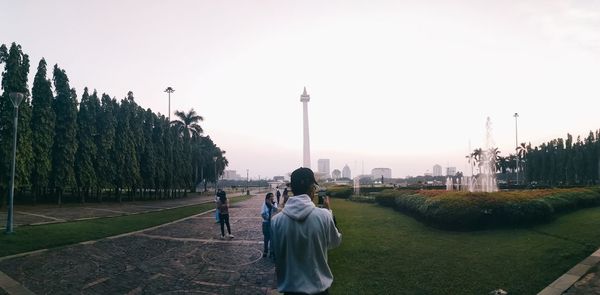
301	237
223	207
278	194
269	209
285	195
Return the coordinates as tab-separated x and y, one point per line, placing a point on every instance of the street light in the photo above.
216	178
516	148
16	99
169	90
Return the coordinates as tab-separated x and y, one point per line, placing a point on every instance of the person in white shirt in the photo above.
301	237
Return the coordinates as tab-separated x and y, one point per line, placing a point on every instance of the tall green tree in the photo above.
65	133
86	149
188	128
106	124
14	79
42	126
148	157
128	170
161	124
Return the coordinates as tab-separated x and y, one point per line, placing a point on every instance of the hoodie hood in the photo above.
298	207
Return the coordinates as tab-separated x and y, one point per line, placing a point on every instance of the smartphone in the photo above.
321	195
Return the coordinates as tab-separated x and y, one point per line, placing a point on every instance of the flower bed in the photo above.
466	210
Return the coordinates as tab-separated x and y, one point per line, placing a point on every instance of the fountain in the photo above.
356	185
485	180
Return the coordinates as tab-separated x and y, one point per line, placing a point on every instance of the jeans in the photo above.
266	229
224	220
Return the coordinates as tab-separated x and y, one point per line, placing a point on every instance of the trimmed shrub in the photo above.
365	190
465	210
340	191
362	199
387	198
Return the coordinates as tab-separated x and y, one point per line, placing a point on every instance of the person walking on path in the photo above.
278	194
285	195
223	207
301	237
269	209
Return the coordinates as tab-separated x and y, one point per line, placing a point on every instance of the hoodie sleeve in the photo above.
334	236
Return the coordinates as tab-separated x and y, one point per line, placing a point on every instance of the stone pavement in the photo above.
185	256
42	214
583	278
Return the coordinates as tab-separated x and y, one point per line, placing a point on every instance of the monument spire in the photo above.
305	98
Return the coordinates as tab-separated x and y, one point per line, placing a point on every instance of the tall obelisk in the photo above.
305	98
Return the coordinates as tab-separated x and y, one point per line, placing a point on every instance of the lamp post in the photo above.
16	99
516	115
247	181
169	90
216	177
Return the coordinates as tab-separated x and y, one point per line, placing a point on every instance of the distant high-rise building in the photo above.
437	170
335	174
376	173
346	172
323	167
231	175
450	171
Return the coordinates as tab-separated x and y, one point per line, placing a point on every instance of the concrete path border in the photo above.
564	282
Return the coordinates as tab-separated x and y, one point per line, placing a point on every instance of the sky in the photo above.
397	84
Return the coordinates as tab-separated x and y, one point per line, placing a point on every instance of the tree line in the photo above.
97	147
557	162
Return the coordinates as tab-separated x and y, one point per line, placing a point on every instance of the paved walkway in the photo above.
583	278
185	256
45	213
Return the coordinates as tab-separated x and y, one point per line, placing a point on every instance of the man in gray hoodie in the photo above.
301	237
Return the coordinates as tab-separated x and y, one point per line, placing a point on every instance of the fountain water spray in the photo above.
485	181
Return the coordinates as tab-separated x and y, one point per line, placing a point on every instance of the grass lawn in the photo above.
386	252
29	238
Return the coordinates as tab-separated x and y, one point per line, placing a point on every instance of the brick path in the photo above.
186	256
40	214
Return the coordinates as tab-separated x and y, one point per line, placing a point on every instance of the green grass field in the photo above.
386	252
30	238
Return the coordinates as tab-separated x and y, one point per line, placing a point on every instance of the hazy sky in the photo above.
398	84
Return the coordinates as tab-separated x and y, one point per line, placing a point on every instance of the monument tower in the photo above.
305	98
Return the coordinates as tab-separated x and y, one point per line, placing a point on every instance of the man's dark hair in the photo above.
268	195
302	180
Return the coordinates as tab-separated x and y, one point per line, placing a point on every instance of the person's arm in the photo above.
335	237
264	213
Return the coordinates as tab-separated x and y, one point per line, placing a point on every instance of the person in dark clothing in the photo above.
223	206
278	194
285	195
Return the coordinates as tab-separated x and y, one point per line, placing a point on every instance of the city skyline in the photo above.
392	84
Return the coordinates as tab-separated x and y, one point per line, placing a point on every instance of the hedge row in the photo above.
468	211
345	191
340	191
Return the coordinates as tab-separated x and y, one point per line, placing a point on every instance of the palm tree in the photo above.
495	158
476	156
521	153
188	123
